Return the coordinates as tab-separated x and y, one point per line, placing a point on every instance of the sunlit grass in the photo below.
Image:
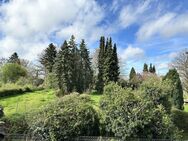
27	102
186	107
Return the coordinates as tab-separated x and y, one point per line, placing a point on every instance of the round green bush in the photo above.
69	117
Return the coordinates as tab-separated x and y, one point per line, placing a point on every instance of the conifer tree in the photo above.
145	69
62	68
74	65
132	74
150	68
14	58
86	70
101	59
108	63
48	58
177	92
115	65
153	69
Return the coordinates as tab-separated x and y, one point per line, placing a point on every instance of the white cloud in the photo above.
131	53
168	25
131	14
27	25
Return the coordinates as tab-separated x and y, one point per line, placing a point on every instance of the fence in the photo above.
20	137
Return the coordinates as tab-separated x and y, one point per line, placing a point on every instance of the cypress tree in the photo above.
145	69
14	58
101	59
48	57
177	92
150	68
86	70
153	69
115	65
132	74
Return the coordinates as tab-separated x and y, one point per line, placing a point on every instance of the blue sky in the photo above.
151	31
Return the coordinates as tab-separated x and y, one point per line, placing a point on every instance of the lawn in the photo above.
24	103
186	107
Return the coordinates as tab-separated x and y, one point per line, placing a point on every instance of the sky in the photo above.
145	31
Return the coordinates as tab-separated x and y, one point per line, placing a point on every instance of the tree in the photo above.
180	62
48	56
150	68
100	80
115	65
108	63
145	69
86	70
153	69
11	72
132	74
62	68
14	58
177	90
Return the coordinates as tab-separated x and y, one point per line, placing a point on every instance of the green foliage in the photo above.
47	58
70	116
11	72
177	90
127	115
157	91
62	68
50	81
145	69
86	73
100	80
132	74
107	64
14	59
180	119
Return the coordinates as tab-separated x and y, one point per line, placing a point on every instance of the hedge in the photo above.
13	91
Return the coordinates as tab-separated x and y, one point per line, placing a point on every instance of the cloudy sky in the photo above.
150	31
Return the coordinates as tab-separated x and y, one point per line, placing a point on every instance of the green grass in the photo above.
186	107
24	103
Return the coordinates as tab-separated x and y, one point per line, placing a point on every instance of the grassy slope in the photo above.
27	102
186	108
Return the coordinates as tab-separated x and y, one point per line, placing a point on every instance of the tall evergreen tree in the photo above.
108	63
86	70
62	68
132	74
14	58
177	91
74	64
145	69
150	68
101	59
153	69
115	65
48	58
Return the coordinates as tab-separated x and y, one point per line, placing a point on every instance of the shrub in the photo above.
157	91
11	72
70	116
127	115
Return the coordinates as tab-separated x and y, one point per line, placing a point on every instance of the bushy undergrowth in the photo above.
70	116
127	115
